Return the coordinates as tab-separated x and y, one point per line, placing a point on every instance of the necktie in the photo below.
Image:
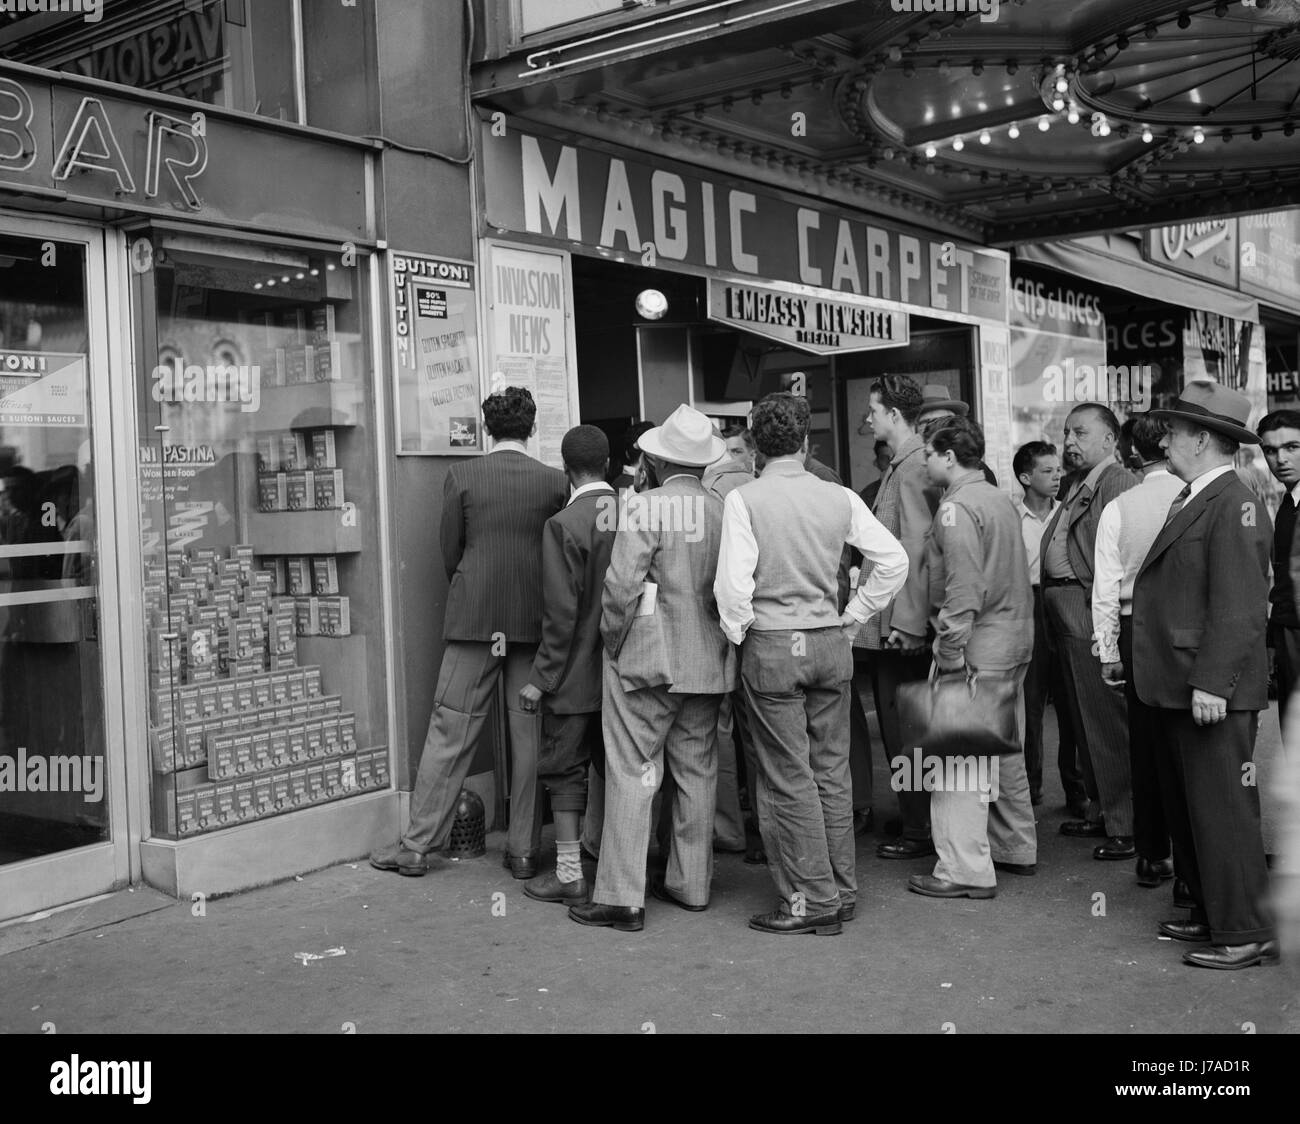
1283	531
1177	505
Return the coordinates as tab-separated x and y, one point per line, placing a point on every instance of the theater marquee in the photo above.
811	323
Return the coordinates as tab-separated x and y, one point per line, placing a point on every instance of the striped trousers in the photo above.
1098	712
646	732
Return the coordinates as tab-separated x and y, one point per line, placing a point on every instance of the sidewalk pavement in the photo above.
462	950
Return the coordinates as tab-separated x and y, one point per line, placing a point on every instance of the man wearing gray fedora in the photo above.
1200	609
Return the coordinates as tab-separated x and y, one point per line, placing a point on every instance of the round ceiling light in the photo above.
651	304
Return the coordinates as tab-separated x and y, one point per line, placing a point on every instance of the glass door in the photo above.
62	766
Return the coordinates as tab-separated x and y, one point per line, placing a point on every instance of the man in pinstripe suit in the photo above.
493	512
667	667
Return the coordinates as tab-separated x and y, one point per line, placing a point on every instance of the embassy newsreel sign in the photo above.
807	321
576	196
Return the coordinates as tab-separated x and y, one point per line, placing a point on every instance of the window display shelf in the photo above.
302	532
318	405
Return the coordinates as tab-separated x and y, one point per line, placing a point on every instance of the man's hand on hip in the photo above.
905	643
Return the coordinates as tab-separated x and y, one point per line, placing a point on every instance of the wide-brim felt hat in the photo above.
686	438
935	397
1215	407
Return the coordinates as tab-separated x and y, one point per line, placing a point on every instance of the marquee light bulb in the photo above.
985	137
930	152
1058	104
1198	135
958	144
1044	124
1147	134
1062	84
1073	116
1014	131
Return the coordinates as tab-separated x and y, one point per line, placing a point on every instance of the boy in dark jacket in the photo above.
565	683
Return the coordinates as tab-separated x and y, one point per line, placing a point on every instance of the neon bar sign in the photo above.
90	147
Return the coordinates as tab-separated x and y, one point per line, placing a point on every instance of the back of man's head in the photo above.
1147	434
509	414
780	423
585	450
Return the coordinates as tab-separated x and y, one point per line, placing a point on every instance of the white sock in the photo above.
568	862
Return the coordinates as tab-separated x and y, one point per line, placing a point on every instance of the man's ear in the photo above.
533	432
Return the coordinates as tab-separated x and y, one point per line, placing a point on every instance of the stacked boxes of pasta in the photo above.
233	716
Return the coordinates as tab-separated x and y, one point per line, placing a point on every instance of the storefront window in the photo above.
233	53
262	581
53	775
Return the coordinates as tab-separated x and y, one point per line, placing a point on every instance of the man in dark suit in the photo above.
1279	434
668	667
1199	661
494	509
565	682
1098	714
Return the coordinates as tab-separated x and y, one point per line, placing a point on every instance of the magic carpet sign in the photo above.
575	196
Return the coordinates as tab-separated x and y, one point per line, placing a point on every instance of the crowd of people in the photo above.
676	637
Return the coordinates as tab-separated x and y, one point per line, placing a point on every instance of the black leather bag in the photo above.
960	712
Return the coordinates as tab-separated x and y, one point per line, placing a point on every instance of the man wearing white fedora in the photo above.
667	666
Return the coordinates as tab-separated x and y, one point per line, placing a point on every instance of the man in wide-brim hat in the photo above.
1200	604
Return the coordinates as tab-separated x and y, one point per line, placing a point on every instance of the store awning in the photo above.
1101	260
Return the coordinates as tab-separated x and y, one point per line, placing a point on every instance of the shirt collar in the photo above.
916	441
785	466
970	476
594	486
509	446
1295	495
1206	478
681	476
1025	513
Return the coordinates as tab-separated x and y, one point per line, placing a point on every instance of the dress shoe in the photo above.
848	912
1016	868
548	888
398	858
864	822
1151	872
1229	957
520	866
1084	829
1195	931
1116	847
823	924
1183	895
906	849
932	887
660	891
624	918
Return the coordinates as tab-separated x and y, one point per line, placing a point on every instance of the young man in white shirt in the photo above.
1279	434
777	592
1037	468
1129	525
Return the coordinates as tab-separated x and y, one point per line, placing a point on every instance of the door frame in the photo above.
32	885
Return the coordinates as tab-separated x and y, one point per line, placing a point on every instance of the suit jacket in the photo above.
671	536
726	476
493	512
576	546
905	491
1081	540
1200	602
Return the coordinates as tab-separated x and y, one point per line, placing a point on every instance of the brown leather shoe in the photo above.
660	891
906	849
548	888
1185	930
396	857
823	924
932	887
520	867
622	917
1230	957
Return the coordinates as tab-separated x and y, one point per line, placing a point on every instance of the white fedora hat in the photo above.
686	438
